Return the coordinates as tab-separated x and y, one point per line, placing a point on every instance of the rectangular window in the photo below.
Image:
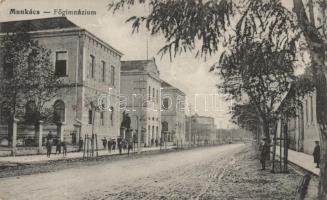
103	71
149	93
90	116
92	70
112	75
102	118
153	94
165	103
61	63
157	97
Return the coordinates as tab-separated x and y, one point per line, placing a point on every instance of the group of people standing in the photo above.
121	144
55	141
109	144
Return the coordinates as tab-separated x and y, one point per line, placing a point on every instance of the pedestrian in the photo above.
316	154
109	145
130	147
114	144
64	147
152	141
156	141
58	146
120	145
264	153
49	136
48	145
80	144
124	144
104	142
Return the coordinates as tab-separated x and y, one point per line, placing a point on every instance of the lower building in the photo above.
173	113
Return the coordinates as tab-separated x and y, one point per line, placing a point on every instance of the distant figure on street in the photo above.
120	145
64	148
58	146
152	142
109	145
264	153
104	142
48	145
316	154
130	147
114	144
80	148
156	141
124	144
49	136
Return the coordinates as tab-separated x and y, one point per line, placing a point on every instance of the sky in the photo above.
185	72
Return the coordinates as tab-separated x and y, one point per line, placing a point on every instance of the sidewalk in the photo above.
32	159
302	160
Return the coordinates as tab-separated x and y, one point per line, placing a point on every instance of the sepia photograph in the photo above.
163	100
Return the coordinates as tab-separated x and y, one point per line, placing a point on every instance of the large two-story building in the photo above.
89	68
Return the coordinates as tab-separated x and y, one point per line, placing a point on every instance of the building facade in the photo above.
303	130
89	69
173	113
141	98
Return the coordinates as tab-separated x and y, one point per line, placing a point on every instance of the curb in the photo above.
301	169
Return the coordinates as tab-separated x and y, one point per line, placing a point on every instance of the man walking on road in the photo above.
316	154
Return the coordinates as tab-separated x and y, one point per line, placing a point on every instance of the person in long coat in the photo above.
264	153
48	145
64	147
104	142
120	145
58	146
114	144
109	145
316	154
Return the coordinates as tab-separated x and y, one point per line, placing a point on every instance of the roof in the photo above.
132	65
43	24
37	24
166	84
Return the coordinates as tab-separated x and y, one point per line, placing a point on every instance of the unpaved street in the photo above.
192	174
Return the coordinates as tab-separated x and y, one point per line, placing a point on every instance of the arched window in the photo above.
30	112
5	113
165	126
165	104
59	111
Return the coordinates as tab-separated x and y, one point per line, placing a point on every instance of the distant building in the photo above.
141	98
203	129
173	113
89	68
